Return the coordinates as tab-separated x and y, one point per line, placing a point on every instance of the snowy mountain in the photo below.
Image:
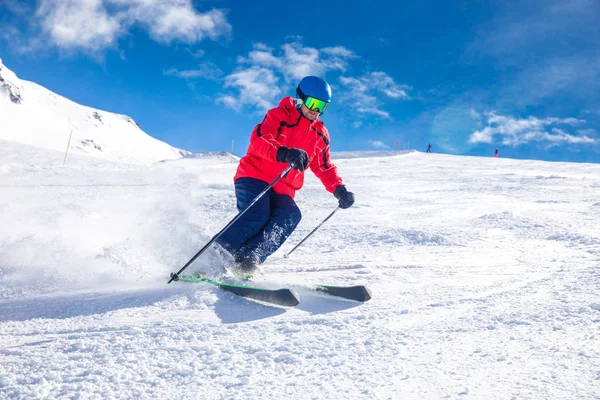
484	275
33	115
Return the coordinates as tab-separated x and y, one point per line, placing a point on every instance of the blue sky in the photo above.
466	76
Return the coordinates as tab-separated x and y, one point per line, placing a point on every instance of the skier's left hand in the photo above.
345	198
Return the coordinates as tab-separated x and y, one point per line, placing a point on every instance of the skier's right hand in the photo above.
297	156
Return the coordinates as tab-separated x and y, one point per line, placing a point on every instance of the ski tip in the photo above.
366	293
287	298
357	293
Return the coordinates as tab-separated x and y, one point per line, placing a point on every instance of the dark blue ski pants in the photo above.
265	226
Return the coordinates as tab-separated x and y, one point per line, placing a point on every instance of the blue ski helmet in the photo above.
313	86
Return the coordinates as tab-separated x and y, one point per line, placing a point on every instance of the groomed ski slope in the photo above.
485	278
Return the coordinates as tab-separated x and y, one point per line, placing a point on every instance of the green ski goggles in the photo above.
315	104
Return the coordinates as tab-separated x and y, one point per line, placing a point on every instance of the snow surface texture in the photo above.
484	275
33	115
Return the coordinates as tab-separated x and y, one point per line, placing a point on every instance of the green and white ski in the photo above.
282	297
357	293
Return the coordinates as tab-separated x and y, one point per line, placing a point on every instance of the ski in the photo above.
358	293
281	297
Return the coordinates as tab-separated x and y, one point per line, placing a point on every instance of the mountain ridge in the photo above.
33	115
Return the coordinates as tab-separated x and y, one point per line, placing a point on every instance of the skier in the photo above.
496	152
291	132
429	148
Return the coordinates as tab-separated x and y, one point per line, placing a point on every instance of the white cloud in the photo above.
292	62
197	53
515	132
175	20
300	61
474	114
378	144
293	38
85	24
262	46
361	93
230	101
385	84
591	112
339	51
262	55
96	25
486	135
560	135
16	39
590	132
295	61
207	70
257	78
257	87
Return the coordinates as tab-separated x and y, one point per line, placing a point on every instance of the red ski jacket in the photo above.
286	126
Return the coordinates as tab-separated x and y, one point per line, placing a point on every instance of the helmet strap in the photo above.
301	94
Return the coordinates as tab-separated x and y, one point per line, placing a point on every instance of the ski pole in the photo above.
175	276
313	231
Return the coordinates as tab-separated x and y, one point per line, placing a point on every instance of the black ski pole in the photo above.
313	231
175	276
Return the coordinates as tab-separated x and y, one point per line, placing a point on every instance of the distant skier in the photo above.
289	133
496	152
429	148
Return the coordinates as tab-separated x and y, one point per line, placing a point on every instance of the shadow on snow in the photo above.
229	308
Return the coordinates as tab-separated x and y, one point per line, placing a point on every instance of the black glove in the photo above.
346	198
297	156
